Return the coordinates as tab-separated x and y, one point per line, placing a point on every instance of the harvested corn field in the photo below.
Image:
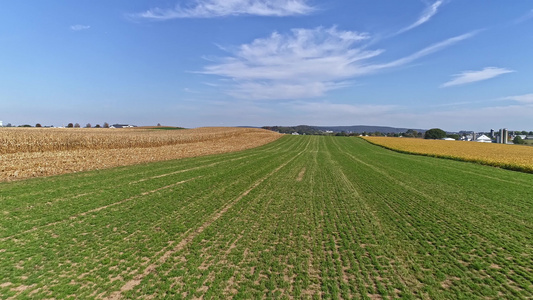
301	218
33	152
513	157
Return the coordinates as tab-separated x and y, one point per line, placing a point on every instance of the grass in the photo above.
302	217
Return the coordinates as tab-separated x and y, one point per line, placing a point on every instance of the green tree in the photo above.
435	134
454	136
518	140
38	125
70	125
106	125
411	133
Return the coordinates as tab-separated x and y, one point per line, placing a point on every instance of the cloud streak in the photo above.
527	98
305	63
467	77
223	8
525	17
425	17
79	27
426	51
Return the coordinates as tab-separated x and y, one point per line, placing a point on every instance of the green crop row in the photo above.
303	217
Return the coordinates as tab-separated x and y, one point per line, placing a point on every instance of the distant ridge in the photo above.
336	129
366	128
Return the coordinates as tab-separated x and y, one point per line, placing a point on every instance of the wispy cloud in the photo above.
426	51
466	77
79	27
526	17
222	8
428	13
305	63
527	98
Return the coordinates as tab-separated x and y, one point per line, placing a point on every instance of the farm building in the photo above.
121	126
484	139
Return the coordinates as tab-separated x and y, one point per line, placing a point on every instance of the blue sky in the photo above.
452	64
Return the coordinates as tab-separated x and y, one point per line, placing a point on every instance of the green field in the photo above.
303	217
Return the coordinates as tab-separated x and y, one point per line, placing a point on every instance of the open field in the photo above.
34	152
513	157
302	217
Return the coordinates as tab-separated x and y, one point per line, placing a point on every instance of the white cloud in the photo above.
304	63
79	27
426	16
221	8
426	51
474	76
528	98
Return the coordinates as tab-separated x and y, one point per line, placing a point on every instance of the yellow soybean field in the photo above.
514	157
303	217
34	152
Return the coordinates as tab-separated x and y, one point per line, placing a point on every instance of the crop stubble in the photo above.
34	152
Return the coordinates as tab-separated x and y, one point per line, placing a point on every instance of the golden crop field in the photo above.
515	157
33	152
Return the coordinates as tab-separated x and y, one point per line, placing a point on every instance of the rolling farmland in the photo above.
513	157
36	152
301	217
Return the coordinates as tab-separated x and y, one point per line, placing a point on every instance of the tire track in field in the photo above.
56	200
209	162
207	159
452	259
373	218
401	268
191	169
479	207
189	236
35	228
97	209
201	167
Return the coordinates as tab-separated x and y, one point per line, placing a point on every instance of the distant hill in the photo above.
366	128
306	129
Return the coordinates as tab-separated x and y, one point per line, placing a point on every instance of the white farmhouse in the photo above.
484	139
